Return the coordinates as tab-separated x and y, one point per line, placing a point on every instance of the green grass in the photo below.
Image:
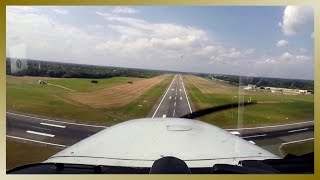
20	153
85	85
301	109
298	148
49	101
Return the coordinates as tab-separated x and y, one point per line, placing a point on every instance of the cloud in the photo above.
296	19
124	10
282	43
61	11
286	56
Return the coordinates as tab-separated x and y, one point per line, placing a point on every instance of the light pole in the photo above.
232	105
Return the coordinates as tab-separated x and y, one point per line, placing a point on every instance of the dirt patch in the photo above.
210	86
26	79
117	95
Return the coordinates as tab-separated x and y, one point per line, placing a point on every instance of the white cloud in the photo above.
296	19
61	11
124	10
282	43
286	56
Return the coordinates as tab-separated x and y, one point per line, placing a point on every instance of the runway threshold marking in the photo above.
53	125
39	133
163	97
297	130
184	89
25	139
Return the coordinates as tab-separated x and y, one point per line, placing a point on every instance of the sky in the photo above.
273	41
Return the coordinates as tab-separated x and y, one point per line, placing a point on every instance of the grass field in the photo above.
24	95
271	108
20	153
298	148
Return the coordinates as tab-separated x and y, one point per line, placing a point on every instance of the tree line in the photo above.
266	81
69	70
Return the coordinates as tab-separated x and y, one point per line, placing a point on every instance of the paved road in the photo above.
174	102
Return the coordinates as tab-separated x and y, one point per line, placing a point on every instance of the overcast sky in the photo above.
252	41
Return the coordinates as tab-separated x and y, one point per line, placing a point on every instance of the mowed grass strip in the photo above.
271	108
50	101
117	95
20	153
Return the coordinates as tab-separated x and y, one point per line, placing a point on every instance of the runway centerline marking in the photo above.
39	133
180	98
297	130
25	139
175	98
174	112
53	125
164	97
175	103
170	97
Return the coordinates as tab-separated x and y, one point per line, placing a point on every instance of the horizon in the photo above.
207	73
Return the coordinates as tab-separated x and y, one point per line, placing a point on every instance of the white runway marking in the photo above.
172	89
170	97
164	116
184	89
180	98
252	142
39	133
261	127
53	125
175	98
50	120
174	112
297	130
14	137
298	141
175	103
180	89
254	136
163	97
176	93
235	132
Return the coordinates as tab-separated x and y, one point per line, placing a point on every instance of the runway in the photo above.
174	102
